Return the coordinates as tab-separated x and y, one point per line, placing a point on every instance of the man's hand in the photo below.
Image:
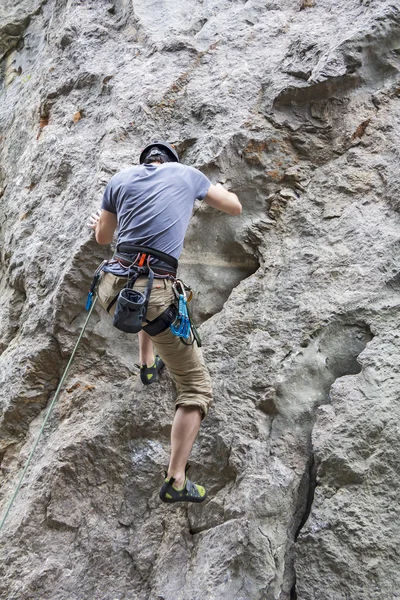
93	220
103	224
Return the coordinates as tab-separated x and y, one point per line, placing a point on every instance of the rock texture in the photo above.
295	106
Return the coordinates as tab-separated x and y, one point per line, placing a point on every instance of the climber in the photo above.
150	206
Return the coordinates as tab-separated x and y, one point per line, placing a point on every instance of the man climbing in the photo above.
150	205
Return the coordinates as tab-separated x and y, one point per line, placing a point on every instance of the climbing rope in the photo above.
50	409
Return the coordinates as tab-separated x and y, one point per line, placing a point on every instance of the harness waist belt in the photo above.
132	249
158	270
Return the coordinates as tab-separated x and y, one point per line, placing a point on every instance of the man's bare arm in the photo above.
104	224
218	197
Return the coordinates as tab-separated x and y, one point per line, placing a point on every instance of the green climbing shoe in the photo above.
148	375
191	492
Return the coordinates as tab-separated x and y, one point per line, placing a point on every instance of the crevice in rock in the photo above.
310	476
312	482
327	354
342	344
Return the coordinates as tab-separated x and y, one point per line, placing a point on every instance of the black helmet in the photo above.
166	148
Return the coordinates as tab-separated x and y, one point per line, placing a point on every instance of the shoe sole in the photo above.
188	499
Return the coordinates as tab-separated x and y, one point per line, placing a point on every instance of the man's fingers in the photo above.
93	220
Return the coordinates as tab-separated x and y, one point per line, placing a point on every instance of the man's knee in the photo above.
200	402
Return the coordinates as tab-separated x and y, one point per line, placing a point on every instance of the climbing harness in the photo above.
49	411
131	305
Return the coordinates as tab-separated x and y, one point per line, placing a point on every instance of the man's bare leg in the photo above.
184	430
146	350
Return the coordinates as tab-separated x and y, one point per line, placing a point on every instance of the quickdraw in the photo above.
95	281
183	326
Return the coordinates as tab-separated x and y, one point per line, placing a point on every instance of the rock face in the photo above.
295	106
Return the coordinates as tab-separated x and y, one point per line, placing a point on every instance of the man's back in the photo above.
154	203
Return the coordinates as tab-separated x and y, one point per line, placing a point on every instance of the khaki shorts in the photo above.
185	363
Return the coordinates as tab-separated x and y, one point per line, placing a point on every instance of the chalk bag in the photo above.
130	311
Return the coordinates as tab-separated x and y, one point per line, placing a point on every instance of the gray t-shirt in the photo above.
154	203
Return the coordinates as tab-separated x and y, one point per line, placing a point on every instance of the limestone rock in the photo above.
293	105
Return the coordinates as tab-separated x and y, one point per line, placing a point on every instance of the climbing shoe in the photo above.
191	492
148	375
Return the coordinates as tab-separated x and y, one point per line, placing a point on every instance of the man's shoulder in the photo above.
173	166
179	168
126	174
